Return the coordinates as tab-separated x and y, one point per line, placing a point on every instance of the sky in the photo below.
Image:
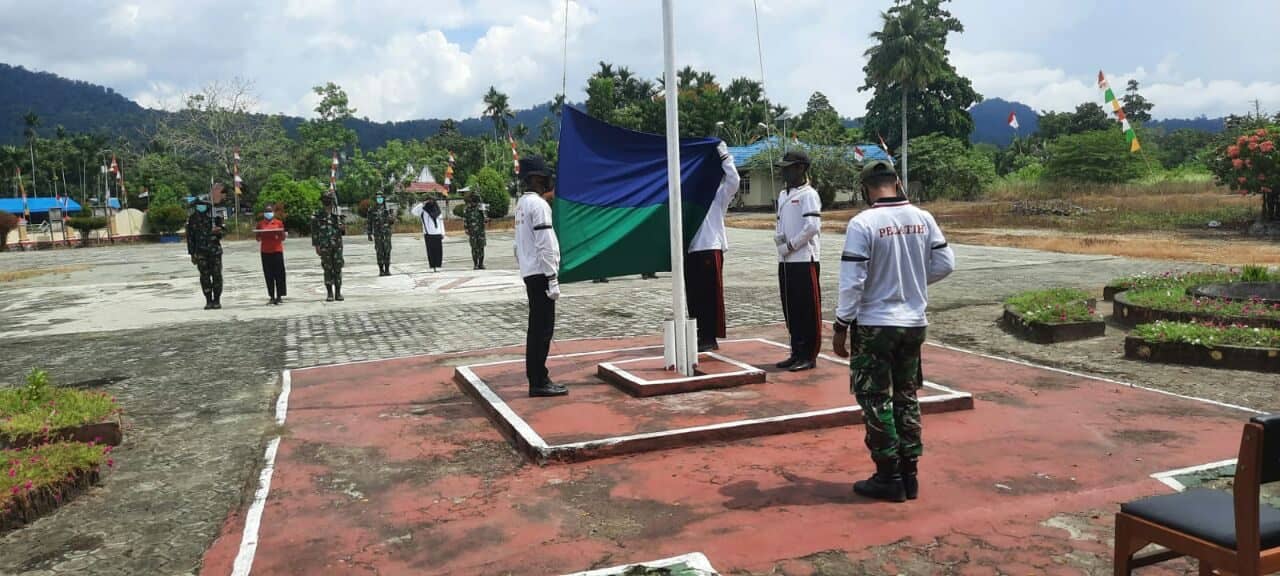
411	59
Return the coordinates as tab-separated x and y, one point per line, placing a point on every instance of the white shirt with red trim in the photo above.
537	248
799	221
711	235
892	252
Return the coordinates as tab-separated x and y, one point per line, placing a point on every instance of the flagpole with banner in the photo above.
235	177
26	212
678	348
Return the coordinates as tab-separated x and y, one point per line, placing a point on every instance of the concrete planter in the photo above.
1227	357
1041	333
108	433
1109	292
1131	315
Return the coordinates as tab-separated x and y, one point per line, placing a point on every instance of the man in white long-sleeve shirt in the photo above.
893	251
538	254
704	264
797	239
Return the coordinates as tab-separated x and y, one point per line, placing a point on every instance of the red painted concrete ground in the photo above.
387	468
595	409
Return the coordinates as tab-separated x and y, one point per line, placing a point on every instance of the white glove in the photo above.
723	150
553	289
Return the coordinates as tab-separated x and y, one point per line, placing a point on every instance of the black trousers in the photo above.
704	283
802	307
542	327
435	249
273	270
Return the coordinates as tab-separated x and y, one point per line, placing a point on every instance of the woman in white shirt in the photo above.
432	230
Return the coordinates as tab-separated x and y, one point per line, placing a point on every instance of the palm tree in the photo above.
521	131
30	122
557	105
910	54
498	108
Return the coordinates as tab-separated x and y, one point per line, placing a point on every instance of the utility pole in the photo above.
1257	108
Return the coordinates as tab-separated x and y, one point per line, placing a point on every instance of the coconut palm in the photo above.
910	53
498	109
30	122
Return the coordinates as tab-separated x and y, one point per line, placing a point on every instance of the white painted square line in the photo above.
1169	477
695	560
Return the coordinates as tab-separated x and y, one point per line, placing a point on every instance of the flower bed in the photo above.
1169	279
1172	304
39	479
38	413
1055	315
1231	347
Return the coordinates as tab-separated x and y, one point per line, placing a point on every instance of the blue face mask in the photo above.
268	215
380	200
201	208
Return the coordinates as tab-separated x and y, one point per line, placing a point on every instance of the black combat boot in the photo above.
885	484
910	481
337	291
208	301
328	288
217	299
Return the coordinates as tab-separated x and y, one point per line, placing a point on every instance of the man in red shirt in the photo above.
270	233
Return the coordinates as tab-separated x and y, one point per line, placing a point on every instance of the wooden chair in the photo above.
1232	534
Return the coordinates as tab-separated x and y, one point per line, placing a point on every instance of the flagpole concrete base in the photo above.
645	377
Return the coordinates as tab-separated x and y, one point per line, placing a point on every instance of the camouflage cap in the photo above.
877	168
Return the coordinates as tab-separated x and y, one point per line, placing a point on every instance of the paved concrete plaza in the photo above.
199	386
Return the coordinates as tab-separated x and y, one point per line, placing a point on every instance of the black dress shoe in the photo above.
789	362
547	390
803	365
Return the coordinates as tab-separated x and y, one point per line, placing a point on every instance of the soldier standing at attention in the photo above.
893	251
326	235
378	226
474	218
538	255
204	244
799	224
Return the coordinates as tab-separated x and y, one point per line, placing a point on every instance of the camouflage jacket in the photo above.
380	221
326	231
473	220
203	238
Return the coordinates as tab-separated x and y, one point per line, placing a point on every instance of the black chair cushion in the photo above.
1206	514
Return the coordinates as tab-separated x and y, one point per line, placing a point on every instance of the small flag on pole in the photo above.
26	211
448	171
1129	134
515	156
333	173
884	147
235	169
858	154
1013	120
115	167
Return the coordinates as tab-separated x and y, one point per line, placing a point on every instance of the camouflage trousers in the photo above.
477	251
884	377
382	245
332	264
210	268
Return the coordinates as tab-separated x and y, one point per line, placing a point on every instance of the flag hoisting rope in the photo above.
679	348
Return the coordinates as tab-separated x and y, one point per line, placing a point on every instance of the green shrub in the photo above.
295	200
165	219
1101	157
85	225
1052	306
459	209
491	185
1208	334
950	169
1258	274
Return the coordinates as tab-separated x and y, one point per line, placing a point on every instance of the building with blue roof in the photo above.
39	207
760	186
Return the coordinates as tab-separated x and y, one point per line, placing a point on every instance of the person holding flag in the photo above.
704	264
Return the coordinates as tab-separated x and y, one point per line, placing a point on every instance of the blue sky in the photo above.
405	59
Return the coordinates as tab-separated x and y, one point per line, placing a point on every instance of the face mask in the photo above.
201	208
379	200
268	215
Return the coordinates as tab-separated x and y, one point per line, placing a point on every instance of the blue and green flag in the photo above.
610	211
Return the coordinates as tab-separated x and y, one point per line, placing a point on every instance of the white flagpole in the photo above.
678	350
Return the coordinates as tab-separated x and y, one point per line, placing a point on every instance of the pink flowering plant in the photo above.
1053	306
1209	334
1251	165
38	408
45	470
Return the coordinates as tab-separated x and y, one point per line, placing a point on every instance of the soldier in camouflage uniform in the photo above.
474	218
378	227
892	253
326	236
204	244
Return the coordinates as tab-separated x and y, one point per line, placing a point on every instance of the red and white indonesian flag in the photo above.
333	173
1013	120
452	160
515	156
858	154
115	167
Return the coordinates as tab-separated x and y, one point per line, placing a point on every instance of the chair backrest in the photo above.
1269	464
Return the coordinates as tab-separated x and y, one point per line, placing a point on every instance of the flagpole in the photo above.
676	341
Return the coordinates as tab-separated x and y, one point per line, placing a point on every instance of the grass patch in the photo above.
1208	334
1175	299
1053	306
38	408
16	275
31	470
